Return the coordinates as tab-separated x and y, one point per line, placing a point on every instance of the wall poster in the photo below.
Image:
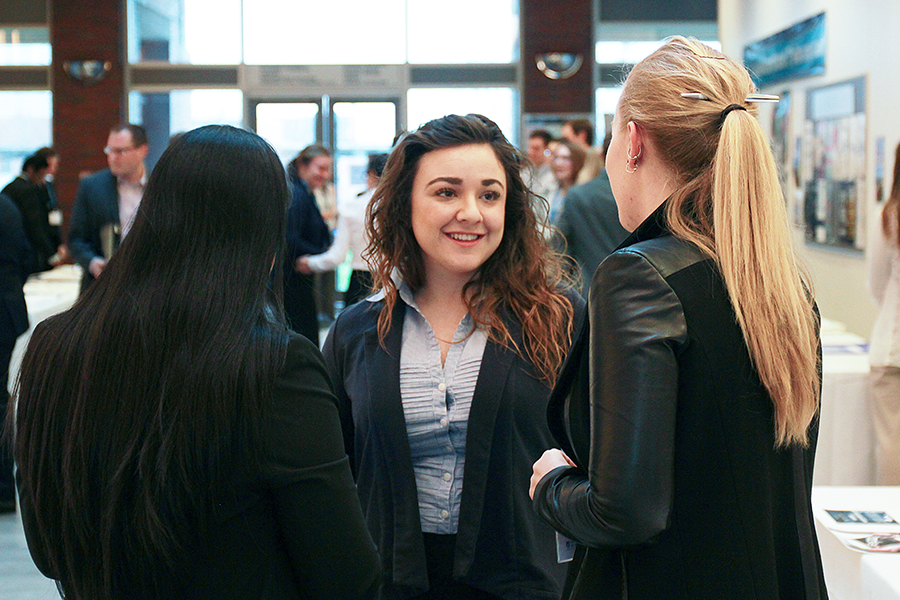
834	165
781	138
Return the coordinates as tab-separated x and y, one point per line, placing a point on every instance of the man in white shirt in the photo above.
107	201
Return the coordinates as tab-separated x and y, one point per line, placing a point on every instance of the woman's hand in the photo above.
301	265
551	459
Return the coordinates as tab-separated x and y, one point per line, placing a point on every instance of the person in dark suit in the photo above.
307	233
687	409
29	192
107	201
443	377
589	224
15	266
174	438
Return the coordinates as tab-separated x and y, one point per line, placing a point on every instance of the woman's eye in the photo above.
492	195
445	192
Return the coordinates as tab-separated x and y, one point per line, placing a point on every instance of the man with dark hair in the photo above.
29	193
107	201
540	176
589	224
581	132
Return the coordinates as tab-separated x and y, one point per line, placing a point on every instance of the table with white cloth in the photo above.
46	294
845	454
849	574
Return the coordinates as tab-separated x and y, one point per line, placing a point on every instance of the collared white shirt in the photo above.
130	195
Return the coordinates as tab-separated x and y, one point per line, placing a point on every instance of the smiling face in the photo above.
458	209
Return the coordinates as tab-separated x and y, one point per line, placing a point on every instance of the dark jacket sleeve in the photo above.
307	232
334	365
623	496
79	242
316	503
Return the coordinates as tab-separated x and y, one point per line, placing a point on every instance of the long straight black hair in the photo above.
135	406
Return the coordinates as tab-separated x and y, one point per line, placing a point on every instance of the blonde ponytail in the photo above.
756	257
731	206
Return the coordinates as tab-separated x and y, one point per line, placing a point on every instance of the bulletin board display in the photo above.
833	165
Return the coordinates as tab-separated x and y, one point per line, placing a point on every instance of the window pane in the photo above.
25	125
360	128
607	99
167	113
24	46
324	33
472	31
288	126
498	104
185	31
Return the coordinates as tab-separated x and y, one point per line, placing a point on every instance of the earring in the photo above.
632	158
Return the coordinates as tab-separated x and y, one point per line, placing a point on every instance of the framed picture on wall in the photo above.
834	165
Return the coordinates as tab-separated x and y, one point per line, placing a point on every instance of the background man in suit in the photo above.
29	193
589	224
15	265
108	198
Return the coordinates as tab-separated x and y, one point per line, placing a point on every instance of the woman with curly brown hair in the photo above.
443	377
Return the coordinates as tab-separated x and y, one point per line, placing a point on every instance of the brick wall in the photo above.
554	26
82	115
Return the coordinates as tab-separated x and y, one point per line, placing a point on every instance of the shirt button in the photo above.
444	514
447	476
442	386
448	448
443	422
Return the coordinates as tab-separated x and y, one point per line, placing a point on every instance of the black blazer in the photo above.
31	201
502	547
679	492
291	529
96	204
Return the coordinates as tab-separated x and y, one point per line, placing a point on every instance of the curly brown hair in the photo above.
524	277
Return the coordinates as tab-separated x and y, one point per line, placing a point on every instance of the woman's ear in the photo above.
635	140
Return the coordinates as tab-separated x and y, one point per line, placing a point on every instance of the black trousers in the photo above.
439	550
7	483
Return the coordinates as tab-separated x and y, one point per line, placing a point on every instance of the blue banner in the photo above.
798	51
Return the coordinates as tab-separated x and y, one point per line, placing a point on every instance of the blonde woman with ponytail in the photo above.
686	411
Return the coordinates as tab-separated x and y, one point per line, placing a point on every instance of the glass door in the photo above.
360	128
289	126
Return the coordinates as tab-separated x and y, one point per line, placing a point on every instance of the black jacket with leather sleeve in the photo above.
680	492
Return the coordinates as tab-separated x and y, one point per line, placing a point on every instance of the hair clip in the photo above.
761	98
748	98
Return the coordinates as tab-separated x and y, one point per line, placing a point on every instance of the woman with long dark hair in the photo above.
443	377
884	351
173	439
687	410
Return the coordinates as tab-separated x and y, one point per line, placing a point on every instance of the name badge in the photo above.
565	548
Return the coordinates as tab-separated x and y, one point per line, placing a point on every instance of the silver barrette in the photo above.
748	98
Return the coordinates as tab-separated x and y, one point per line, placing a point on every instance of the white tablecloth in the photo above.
852	575
46	294
845	453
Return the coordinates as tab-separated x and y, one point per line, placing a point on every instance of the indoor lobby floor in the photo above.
19	578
